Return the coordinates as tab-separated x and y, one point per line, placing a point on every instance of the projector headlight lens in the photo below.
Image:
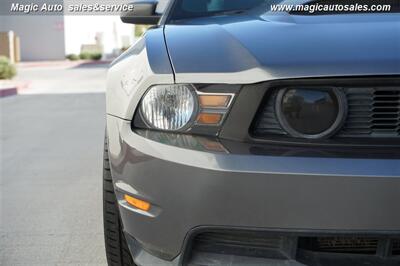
169	107
311	113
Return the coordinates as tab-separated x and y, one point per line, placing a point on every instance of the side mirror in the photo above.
144	12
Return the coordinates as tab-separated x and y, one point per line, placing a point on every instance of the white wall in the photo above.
83	30
41	37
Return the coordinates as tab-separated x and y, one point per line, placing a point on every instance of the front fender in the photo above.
144	64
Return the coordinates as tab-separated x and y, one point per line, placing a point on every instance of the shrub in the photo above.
90	55
84	56
72	57
7	70
95	56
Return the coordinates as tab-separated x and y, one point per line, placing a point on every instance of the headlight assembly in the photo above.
169	107
182	108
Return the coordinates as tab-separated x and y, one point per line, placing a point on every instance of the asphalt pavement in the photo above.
60	79
51	164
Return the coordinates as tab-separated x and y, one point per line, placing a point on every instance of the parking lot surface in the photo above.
51	165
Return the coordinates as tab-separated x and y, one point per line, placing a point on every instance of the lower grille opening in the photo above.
351	245
396	247
238	247
250	244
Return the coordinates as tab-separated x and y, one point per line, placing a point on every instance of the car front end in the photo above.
259	139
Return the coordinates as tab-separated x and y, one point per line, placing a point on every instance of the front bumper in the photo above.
192	185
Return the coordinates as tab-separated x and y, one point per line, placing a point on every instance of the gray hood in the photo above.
251	48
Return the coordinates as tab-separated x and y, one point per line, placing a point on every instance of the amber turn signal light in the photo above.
214	101
209	118
137	203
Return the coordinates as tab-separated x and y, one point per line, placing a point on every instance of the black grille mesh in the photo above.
267	245
372	113
355	245
396	247
267	121
245	243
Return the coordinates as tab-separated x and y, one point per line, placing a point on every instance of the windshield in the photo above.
200	8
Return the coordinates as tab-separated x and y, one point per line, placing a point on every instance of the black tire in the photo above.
117	251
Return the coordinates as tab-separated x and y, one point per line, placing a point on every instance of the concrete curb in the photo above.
62	63
5	92
10	88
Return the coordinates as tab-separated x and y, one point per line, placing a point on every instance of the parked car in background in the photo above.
241	136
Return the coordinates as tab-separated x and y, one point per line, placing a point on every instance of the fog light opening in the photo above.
311	113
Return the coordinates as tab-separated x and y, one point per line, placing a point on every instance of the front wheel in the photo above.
117	251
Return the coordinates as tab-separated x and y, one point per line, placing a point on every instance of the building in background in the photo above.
9	46
108	33
40	37
52	37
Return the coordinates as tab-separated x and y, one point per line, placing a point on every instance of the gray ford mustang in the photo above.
241	136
